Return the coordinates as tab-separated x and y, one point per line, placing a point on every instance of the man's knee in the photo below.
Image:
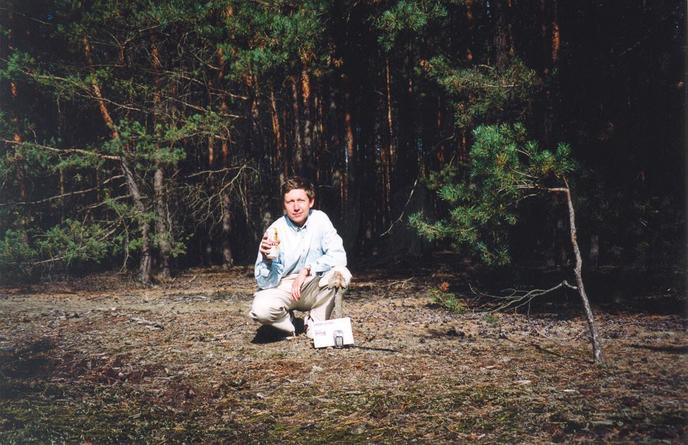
262	310
337	277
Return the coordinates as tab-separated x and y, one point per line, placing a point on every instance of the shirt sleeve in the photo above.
332	247
268	273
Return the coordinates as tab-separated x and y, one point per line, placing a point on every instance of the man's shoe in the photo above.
292	334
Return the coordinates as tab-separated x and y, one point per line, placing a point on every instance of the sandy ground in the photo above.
105	360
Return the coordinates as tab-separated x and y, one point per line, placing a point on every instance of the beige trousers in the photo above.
272	306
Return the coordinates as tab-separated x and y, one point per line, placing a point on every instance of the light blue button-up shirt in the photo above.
316	243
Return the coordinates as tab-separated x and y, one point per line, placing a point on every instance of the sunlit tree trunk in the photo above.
555	33
296	111
389	150
578	272
318	133
227	256
305	97
594	336
276	131
163	232
349	147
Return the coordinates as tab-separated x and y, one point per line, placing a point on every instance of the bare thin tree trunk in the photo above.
556	35
21	172
501	39
318	128
389	150
164	235
227	257
298	145
594	337
225	141
24	216
307	119
161	228
211	144
276	131
63	191
146	263
349	139
228	12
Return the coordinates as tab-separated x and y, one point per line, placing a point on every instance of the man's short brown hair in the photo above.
297	182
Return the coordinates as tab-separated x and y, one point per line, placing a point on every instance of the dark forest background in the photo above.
153	135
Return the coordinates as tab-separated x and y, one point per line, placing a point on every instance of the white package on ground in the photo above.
335	332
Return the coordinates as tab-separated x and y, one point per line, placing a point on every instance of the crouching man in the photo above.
301	263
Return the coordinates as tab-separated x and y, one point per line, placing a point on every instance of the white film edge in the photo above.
335	332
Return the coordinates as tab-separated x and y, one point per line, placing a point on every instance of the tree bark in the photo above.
318	133
146	262
161	228
307	122
227	257
349	160
389	151
578	271
164	235
276	133
296	110
501	33
556	35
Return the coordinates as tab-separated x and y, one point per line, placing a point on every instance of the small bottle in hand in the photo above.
274	250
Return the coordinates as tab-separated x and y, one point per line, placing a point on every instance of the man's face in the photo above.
297	204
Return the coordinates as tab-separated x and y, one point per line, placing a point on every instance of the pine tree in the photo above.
505	168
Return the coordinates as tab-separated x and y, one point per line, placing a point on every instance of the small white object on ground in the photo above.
335	332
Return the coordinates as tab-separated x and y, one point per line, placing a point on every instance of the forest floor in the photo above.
102	360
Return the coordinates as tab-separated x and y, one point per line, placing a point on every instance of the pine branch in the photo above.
64	150
63	195
401	215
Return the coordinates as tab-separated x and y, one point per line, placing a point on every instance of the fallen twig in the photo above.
516	299
147	323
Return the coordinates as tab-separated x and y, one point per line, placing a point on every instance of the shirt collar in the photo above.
296	228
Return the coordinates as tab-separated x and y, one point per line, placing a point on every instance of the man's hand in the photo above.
298	282
265	245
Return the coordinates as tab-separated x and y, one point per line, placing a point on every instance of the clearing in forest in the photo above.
105	360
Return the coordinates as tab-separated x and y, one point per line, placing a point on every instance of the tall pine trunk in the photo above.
349	154
502	31
227	255
306	168
280	161
22	182
296	111
388	151
145	263
162	229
